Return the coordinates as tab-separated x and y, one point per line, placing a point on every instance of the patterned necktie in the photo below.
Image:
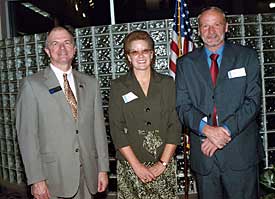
214	70
70	96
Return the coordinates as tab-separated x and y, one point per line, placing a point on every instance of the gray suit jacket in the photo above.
237	101
52	144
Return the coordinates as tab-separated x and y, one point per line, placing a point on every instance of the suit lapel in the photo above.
203	68
226	64
132	84
51	81
155	87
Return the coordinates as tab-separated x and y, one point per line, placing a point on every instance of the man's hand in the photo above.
208	148
102	181
40	190
219	136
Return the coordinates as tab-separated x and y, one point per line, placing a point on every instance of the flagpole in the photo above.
185	151
186	178
179	29
112	12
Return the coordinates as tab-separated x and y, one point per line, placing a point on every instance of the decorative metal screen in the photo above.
100	54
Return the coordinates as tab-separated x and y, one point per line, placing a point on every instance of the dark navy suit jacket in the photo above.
237	99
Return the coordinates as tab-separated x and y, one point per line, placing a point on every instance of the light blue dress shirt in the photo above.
219	60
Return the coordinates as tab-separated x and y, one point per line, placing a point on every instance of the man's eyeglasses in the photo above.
135	53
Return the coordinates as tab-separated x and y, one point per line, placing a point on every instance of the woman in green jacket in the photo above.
144	124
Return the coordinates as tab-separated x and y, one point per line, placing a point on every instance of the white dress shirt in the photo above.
59	74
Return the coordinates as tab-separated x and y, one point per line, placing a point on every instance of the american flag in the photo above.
180	45
181	42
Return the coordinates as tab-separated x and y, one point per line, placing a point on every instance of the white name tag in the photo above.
129	97
240	72
204	119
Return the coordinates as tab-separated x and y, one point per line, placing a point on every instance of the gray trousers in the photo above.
82	192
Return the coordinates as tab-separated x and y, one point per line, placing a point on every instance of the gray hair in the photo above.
59	28
212	8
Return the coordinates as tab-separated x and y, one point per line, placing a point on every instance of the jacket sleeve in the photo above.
100	133
116	117
27	131
174	125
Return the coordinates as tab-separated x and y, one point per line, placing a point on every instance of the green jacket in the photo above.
146	123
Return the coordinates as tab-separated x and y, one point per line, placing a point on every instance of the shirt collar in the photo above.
219	51
60	72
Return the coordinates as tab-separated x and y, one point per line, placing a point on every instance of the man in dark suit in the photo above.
218	98
60	127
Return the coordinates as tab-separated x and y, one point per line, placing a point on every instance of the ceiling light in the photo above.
45	14
76	6
27	5
37	10
272	5
91	3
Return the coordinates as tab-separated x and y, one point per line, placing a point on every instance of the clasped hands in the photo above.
148	174
217	138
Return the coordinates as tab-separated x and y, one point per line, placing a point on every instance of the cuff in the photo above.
202	125
226	127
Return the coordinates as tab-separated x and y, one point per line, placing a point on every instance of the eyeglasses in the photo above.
135	53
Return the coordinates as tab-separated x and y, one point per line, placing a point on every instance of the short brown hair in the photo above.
138	35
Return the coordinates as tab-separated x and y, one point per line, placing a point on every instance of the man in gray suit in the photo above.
218	98
60	127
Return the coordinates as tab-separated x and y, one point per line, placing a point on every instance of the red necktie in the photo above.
214	70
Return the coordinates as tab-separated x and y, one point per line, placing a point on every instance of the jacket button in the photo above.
148	123
76	131
147	109
213	96
76	150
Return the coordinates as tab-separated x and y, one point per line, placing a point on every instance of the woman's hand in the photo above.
157	169
143	173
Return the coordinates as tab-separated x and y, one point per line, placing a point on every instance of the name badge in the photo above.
55	89
129	97
239	72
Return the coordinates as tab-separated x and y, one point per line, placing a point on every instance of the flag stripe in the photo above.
181	42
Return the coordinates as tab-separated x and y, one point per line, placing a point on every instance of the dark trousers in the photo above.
229	184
